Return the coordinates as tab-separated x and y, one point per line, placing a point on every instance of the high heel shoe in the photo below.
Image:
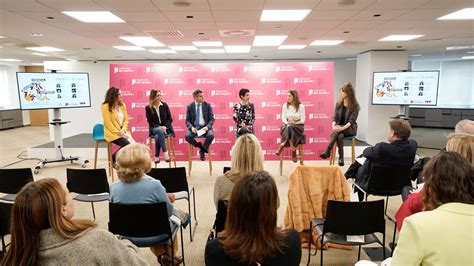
280	149
341	161
293	156
326	154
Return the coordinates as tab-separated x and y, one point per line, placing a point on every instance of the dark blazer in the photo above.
397	153
351	117
165	117
206	113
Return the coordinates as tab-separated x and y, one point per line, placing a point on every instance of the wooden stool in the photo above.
332	157
169	139
300	153
98	136
190	158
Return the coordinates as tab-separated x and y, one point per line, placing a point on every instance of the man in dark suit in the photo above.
400	151
199	116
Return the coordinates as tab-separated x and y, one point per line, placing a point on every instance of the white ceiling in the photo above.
328	20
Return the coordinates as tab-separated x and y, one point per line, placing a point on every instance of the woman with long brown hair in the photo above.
115	119
293	118
443	234
251	235
158	116
43	232
344	122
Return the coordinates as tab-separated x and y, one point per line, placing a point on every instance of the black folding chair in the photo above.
5	216
347	219
226	169
91	185
145	225
387	181
174	180
13	180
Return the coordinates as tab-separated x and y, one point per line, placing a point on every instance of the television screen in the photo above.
405	88
53	90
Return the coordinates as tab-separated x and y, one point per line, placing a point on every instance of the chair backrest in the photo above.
98	132
5	216
139	220
354	218
388	180
13	180
173	179
221	215
226	169
87	181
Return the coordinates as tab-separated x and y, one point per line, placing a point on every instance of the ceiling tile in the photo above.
167	5
332	4
221	5
72	5
135	16
127	5
25	5
220	16
204	25
331	14
180	16
368	14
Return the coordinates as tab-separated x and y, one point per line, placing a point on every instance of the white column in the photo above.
373	119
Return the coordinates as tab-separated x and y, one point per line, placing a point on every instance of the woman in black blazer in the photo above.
344	123
159	120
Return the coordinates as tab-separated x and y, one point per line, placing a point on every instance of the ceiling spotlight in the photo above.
346	2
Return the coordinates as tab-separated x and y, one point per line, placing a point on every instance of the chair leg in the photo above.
182	244
210	160
194	206
281	161
310	239
322	241
168	148
383	244
190	158
109	158
172	249
190	221
353	150
93	210
386	206
95	157
358	256
172	150
332	157
393	239
300	151
4	251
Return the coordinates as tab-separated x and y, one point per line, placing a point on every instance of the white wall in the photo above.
344	71
82	119
373	119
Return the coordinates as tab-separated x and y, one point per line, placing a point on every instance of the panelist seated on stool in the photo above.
159	120
199	121
400	151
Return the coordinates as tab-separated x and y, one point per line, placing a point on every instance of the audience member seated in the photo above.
247	156
251	235
443	235
460	143
43	232
135	187
400	151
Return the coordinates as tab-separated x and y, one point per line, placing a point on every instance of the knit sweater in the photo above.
92	247
222	189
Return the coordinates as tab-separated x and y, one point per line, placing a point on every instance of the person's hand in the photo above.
171	197
163	128
205	129
336	129
121	133
194	130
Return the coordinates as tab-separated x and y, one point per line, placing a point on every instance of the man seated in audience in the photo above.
400	151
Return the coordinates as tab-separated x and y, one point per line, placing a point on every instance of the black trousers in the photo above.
121	142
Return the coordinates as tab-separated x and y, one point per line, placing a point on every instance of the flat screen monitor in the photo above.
405	88
53	90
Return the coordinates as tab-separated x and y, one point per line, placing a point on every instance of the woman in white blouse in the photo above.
293	117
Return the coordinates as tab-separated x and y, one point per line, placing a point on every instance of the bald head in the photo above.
465	126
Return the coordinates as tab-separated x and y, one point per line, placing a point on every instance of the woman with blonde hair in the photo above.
247	156
462	144
344	122
135	187
44	233
251	235
158	116
293	117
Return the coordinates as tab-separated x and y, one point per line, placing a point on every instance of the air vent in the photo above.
164	33
236	33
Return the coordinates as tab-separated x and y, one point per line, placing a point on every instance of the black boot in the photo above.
326	154
341	161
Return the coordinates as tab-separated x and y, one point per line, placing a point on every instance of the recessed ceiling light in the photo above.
237	49
326	42
269	40
212	51
400	38
284	15
36	34
37	64
162	51
291	47
183	47
460	47
470	57
129	48
10	60
44	49
40	54
94	16
208	44
142	41
463	14
414	55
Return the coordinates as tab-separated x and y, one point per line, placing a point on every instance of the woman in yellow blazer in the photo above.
443	233
114	114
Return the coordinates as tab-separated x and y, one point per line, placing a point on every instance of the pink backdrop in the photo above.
221	82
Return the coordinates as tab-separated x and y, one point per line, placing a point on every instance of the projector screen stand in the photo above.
58	144
402	113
